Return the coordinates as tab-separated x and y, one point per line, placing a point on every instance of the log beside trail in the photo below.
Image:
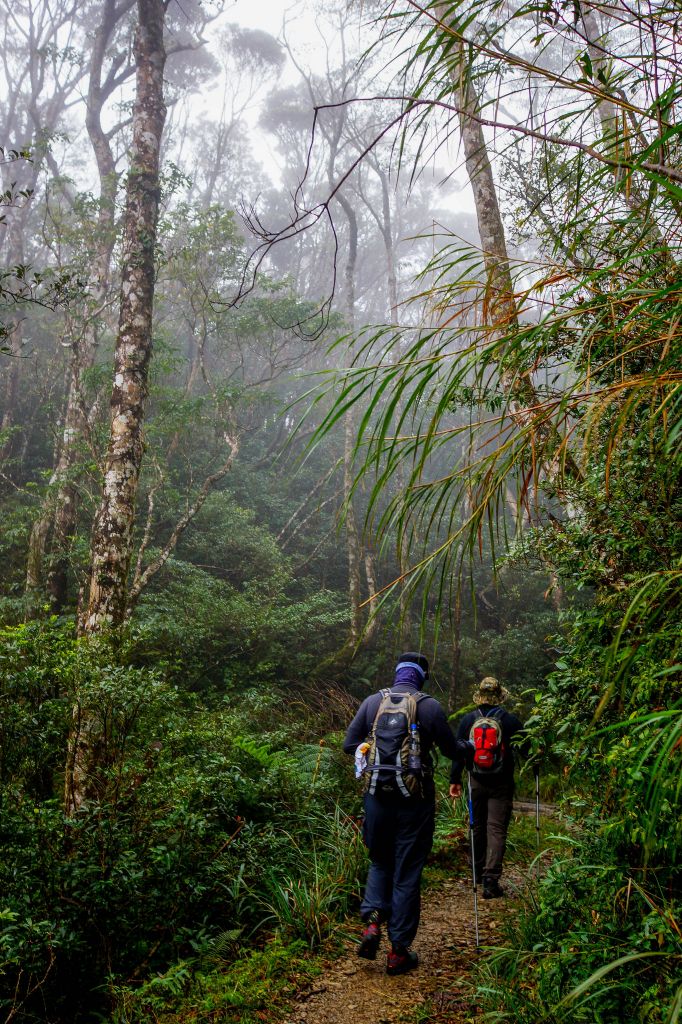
528	807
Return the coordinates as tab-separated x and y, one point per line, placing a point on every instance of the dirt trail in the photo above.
355	991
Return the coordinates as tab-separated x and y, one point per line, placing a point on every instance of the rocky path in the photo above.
355	991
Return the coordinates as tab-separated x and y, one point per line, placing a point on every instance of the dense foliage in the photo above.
497	467
195	845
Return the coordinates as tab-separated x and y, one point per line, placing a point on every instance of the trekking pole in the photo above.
473	859
537	773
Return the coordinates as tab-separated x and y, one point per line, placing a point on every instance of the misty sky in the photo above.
304	30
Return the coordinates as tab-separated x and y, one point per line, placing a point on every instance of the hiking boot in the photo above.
492	889
370	938
401	960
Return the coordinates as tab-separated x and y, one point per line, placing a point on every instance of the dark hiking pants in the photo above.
398	833
492	810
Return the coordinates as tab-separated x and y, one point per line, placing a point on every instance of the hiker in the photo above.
399	803
491	776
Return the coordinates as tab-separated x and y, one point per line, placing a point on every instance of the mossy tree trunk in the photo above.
113	529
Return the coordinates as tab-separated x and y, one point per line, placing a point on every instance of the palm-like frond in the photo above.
444	398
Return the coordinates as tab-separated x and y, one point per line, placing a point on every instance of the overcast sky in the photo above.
269	15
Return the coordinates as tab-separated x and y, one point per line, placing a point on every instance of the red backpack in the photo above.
489	749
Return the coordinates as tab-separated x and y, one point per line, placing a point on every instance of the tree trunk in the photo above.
500	309
60	509
15	246
36	552
112	532
352	533
389	246
37	92
454	691
76	418
11	389
405	627
608	113
371	576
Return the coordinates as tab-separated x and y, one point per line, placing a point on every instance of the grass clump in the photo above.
257	988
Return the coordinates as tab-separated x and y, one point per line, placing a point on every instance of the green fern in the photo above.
260	752
312	761
224	946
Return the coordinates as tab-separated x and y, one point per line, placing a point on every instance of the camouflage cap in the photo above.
490	691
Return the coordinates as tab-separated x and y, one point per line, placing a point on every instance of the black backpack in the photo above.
394	755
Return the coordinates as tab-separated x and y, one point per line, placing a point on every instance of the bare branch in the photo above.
143	578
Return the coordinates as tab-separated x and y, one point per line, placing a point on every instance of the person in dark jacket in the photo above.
398	829
491	795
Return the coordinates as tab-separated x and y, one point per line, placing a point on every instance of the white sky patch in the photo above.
314	47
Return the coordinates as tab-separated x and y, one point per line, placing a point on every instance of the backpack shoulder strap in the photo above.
495	712
419	695
497	715
416	697
383	694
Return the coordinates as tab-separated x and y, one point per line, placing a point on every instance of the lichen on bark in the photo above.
113	528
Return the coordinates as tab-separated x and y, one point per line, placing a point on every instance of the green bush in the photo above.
595	946
238	992
601	941
191	836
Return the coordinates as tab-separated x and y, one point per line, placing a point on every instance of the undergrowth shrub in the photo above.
234	993
207	810
306	903
589	947
601	941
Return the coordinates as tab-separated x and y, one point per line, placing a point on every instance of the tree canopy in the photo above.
356	335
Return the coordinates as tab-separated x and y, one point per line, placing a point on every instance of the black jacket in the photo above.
511	727
434	729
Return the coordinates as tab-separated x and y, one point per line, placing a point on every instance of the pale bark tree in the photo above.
109	67
112	533
616	138
39	78
353	547
78	416
499	307
15	258
60	509
500	312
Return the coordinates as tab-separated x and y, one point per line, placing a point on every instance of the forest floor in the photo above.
355	991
